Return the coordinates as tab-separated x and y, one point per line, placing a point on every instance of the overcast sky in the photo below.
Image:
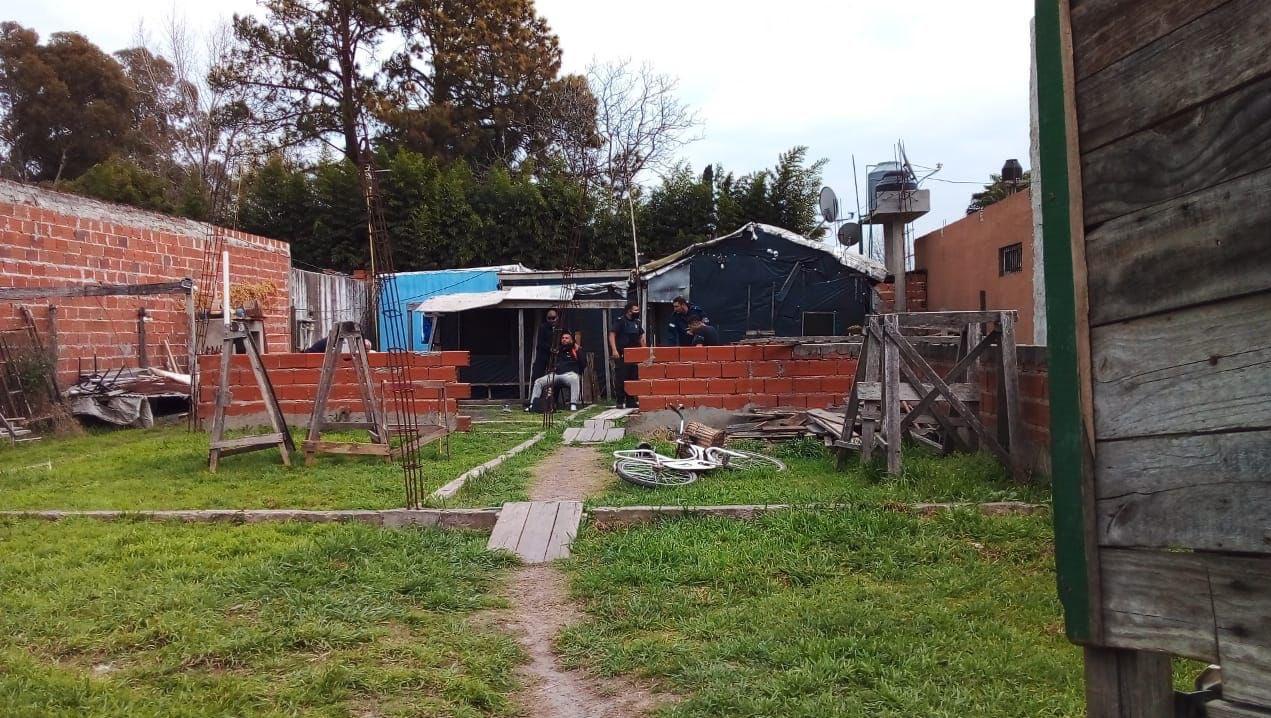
844	77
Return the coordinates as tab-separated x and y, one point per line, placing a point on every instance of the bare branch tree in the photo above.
641	122
203	124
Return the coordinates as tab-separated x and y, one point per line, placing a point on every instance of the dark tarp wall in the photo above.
768	283
490	337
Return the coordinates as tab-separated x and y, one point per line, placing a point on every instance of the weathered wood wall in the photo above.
321	299
1173	134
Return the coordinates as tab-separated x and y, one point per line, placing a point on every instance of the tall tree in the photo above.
641	121
310	69
784	195
470	78
67	105
197	129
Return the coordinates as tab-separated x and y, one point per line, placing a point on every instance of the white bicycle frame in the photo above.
699	458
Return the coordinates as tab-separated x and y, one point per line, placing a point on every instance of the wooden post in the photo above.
520	353
1128	684
1009	413
53	345
891	395
894	236
604	352
143	356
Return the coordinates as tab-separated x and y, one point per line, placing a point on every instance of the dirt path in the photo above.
571	472
540	610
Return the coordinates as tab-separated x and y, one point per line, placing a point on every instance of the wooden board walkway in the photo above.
599	429
537	531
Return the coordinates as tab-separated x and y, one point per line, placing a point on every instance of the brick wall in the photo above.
295	380
739	376
52	239
915	293
1034	397
743	376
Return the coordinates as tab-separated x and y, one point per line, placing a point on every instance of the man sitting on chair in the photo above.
570	364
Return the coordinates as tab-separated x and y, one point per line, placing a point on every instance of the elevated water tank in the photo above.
887	177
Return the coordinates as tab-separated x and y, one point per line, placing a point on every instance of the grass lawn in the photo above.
166	468
811	477
860	612
147	619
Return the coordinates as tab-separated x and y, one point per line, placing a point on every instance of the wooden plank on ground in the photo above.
1176	72
569	514
507	530
1207	606
346	447
615	434
571	434
1166	256
1201	491
532	548
1205	368
244	442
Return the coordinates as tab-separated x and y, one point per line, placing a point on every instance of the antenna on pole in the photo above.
856	189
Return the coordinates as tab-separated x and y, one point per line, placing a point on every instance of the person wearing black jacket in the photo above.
677	330
547	332
626	333
570	365
704	335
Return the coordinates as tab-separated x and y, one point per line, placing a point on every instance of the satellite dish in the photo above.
849	234
829	204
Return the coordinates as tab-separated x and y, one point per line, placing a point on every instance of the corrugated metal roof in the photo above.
546	293
869	267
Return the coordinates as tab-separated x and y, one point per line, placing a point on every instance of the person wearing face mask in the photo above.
547	333
626	332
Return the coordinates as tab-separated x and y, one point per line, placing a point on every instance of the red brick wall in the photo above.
295	380
741	376
915	293
738	376
1034	398
51	239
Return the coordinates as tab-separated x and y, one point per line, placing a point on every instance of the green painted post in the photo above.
1066	426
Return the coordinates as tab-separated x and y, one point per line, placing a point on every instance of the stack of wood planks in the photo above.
779	425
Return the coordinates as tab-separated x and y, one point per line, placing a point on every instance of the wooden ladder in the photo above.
280	436
375	422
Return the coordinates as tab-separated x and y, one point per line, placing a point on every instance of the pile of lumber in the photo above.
781	425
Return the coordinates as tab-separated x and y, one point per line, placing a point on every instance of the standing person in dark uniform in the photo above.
544	342
677	331
627	332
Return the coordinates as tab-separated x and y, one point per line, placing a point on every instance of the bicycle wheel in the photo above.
746	460
649	475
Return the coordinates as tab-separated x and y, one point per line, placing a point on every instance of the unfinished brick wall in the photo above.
743	376
739	376
52	239
915	293
295	380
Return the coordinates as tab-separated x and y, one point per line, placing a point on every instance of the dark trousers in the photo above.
624	372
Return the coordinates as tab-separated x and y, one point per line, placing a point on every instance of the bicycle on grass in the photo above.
643	466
